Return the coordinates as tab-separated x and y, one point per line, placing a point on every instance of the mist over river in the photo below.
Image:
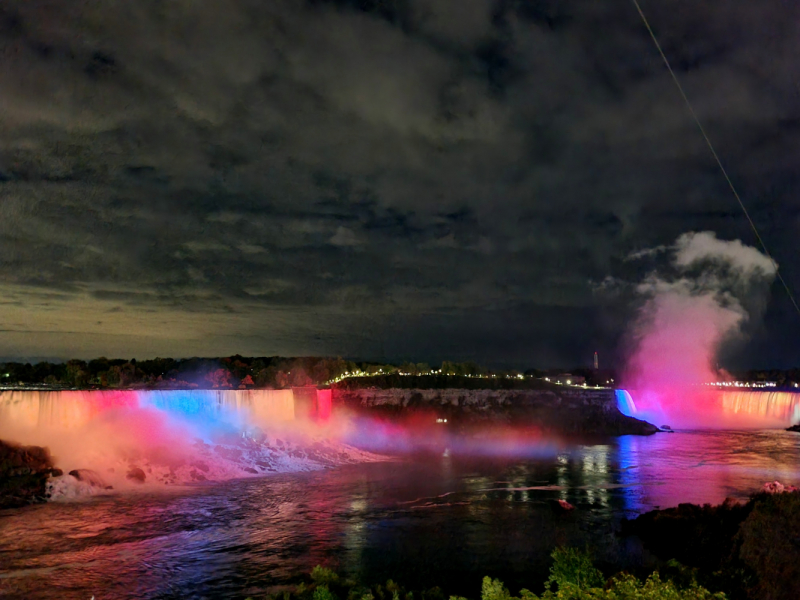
422	520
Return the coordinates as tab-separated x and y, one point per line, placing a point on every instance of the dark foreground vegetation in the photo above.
572	577
751	551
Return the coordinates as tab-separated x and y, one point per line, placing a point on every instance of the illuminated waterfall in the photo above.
73	409
625	403
782	408
255	407
719	408
167	437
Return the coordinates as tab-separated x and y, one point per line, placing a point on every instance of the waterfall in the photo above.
127	438
780	407
715	408
65	410
625	403
240	407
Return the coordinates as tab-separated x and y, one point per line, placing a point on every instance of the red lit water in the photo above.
443	519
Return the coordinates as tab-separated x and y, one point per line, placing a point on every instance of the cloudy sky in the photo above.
392	179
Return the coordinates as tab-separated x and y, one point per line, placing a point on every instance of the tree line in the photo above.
233	372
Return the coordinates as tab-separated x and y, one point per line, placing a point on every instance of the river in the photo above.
422	520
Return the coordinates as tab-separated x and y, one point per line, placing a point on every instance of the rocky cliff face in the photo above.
24	471
568	410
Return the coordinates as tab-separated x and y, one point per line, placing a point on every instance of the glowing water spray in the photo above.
692	306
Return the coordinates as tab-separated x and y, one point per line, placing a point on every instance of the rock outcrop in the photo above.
562	410
136	474
91	477
795	428
24	471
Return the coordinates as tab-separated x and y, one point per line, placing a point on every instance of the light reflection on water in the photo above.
432	520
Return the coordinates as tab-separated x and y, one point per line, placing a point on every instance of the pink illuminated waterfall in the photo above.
71	409
166	434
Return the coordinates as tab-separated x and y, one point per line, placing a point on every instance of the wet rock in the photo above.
136	474
795	428
23	474
232	454
88	476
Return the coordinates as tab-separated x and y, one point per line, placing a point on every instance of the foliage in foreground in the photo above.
572	577
749	550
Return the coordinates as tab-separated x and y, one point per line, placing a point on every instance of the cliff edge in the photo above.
583	411
24	471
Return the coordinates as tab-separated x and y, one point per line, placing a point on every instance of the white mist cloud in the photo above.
687	316
693	248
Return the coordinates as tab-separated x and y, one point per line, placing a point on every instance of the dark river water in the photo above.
427	520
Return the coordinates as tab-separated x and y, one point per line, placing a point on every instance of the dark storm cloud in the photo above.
324	176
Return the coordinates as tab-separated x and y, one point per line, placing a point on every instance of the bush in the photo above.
572	577
770	545
573	567
493	589
321	575
749	550
576	578
323	593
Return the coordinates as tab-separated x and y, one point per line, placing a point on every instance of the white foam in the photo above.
207	462
67	488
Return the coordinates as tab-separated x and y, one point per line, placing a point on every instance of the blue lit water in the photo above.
625	403
423	520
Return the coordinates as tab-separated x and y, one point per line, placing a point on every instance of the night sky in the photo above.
387	179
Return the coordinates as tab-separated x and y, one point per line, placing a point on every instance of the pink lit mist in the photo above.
689	314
